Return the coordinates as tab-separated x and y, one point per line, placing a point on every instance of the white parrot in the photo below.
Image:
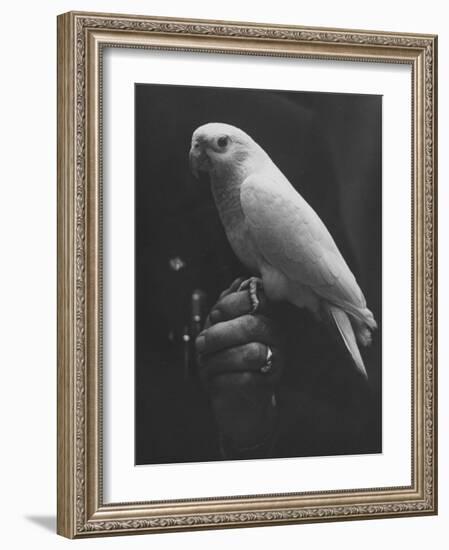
277	235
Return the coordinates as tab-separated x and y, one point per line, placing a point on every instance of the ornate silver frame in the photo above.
81	38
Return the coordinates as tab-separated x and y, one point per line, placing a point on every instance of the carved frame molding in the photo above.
81	39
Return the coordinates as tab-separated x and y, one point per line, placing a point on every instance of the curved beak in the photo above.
193	162
198	161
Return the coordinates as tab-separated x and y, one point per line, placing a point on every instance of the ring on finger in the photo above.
268	365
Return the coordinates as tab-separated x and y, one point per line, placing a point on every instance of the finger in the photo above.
207	323
246	358
236	332
236	284
232	288
235	305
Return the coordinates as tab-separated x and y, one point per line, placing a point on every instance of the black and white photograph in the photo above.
258	276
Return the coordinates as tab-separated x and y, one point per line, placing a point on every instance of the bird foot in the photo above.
251	286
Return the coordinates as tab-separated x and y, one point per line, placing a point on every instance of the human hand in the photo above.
232	349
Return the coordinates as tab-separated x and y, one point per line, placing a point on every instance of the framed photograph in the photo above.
246	274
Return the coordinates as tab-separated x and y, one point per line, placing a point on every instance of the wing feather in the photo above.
292	238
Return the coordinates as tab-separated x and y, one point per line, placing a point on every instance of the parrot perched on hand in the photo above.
278	236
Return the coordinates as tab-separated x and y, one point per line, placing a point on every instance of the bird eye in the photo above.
222	141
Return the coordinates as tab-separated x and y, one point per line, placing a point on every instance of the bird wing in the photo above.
292	238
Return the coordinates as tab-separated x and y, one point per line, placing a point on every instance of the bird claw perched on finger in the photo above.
251	286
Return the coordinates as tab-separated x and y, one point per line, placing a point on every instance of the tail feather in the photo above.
344	327
363	315
364	322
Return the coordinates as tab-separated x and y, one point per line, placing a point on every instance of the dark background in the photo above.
329	147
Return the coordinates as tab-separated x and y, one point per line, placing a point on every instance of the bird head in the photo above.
217	146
